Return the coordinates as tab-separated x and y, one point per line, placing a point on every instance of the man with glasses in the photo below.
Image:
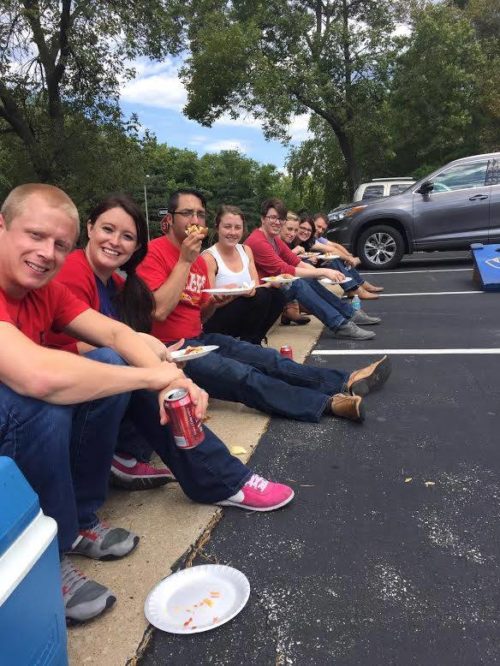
238	371
273	257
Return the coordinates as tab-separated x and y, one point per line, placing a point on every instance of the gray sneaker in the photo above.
360	318
350	331
83	598
105	543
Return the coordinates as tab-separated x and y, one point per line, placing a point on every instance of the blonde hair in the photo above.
292	216
53	196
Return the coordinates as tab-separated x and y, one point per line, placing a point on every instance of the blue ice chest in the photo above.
32	624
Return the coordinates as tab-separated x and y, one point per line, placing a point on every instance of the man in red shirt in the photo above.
273	257
60	412
237	371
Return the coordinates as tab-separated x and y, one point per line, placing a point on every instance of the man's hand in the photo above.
158	347
191	247
335	276
198	396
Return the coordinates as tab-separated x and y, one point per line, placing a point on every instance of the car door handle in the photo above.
478	197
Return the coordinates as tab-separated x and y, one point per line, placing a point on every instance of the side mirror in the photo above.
426	187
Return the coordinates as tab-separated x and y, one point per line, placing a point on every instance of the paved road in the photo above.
390	552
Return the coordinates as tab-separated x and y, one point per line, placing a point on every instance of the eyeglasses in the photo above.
305	230
274	218
200	214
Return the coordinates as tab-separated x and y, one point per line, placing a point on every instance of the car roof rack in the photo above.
392	178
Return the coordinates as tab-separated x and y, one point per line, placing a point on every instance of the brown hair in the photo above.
53	196
278	204
224	209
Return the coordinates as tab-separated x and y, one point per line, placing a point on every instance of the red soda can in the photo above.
286	351
187	429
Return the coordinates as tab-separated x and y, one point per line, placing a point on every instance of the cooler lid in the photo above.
18	501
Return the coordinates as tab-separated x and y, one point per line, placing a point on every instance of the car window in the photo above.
493	173
461	177
373	191
397	188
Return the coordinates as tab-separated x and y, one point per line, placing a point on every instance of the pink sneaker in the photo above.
129	473
259	494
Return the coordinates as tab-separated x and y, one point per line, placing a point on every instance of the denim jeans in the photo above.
328	308
64	451
260	378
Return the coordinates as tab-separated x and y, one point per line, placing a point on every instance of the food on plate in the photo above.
196	229
192	350
283	276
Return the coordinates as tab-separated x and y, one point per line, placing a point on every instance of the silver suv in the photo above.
451	208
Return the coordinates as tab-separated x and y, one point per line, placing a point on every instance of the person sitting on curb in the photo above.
230	264
237	371
273	258
348	262
60	412
291	313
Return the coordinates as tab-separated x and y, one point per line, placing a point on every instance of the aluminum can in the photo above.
186	428
286	351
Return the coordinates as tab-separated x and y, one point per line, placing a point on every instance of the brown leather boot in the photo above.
368	379
291	315
348	407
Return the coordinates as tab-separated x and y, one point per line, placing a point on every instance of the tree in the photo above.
277	58
63	59
436	102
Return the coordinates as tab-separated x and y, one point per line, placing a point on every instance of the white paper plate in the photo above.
180	355
197	599
278	279
232	291
328	281
328	256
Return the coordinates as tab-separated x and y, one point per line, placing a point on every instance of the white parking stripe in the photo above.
433	270
408	352
432	293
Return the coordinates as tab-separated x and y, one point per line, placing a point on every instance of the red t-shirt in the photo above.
50	308
78	276
185	319
271	259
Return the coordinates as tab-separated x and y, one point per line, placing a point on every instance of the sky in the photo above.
158	96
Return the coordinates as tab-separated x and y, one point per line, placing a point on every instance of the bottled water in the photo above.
356	303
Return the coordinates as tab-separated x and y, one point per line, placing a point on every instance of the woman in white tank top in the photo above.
230	264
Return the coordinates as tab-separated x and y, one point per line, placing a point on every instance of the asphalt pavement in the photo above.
390	552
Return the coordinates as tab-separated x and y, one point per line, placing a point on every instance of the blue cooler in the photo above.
32	623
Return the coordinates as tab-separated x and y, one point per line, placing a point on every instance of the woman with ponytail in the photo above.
117	239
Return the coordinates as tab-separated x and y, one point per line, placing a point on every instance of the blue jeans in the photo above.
261	378
322	303
65	452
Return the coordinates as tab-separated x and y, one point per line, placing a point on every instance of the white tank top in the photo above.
226	276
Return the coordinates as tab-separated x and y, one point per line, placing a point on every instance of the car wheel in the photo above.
380	247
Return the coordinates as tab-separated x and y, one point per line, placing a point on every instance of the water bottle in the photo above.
356	303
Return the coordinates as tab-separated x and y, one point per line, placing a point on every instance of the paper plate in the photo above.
180	355
232	291
197	599
328	281
278	279
328	256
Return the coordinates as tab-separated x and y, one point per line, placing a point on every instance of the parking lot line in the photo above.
431	270
408	352
432	293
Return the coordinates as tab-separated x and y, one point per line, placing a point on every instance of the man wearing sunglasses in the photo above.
238	371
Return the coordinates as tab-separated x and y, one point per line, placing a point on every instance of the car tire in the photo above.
380	247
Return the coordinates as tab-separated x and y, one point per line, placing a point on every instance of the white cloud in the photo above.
155	84
227	144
